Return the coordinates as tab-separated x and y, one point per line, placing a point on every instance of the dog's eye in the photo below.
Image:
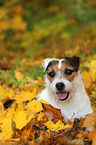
68	72
51	74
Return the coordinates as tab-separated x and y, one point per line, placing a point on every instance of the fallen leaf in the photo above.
18	75
20	106
7	130
93	69
34	105
87	79
90	120
55	127
20	118
43	101
51	112
1	106
6	94
25	96
18	23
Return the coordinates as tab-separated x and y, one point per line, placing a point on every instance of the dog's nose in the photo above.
60	86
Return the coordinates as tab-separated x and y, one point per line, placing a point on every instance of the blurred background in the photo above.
31	30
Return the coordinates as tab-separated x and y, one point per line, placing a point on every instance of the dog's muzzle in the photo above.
61	93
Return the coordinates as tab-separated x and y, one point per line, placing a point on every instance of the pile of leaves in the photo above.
23	120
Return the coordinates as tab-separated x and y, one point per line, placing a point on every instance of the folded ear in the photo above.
45	63
74	61
48	61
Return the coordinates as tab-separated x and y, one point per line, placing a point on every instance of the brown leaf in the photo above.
52	113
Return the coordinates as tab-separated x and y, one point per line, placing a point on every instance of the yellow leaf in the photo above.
1	106
34	105
10	112
10	93
25	96
54	127
65	35
2	92
18	23
18	75
4	25
66	126
43	101
3	13
28	94
7	130
87	79
20	106
6	93
20	118
2	115
93	69
20	99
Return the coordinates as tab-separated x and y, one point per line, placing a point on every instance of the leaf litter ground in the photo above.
23	120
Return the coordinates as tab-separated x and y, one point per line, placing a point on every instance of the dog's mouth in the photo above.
62	95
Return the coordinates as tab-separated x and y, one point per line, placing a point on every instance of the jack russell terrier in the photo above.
64	88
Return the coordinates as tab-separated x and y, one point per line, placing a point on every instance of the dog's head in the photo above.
60	75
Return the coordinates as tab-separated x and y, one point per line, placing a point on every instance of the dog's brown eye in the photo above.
51	74
68	72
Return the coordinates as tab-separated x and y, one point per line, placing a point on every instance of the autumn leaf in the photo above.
18	23
7	130
51	112
90	120
3	13
87	79
57	126
93	69
34	105
20	106
43	101
25	96
94	93
5	94
1	106
18	75
20	118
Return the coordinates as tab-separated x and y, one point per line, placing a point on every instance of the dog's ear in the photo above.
74	61
45	63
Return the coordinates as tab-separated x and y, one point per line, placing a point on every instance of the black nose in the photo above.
60	86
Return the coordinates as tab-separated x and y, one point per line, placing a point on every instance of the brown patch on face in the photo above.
52	69
67	68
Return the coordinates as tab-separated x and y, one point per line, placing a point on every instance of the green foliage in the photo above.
83	56
83	15
38	72
72	29
29	52
9	77
94	93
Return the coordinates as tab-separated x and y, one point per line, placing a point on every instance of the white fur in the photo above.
77	105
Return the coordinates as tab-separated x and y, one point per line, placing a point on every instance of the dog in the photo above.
64	87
